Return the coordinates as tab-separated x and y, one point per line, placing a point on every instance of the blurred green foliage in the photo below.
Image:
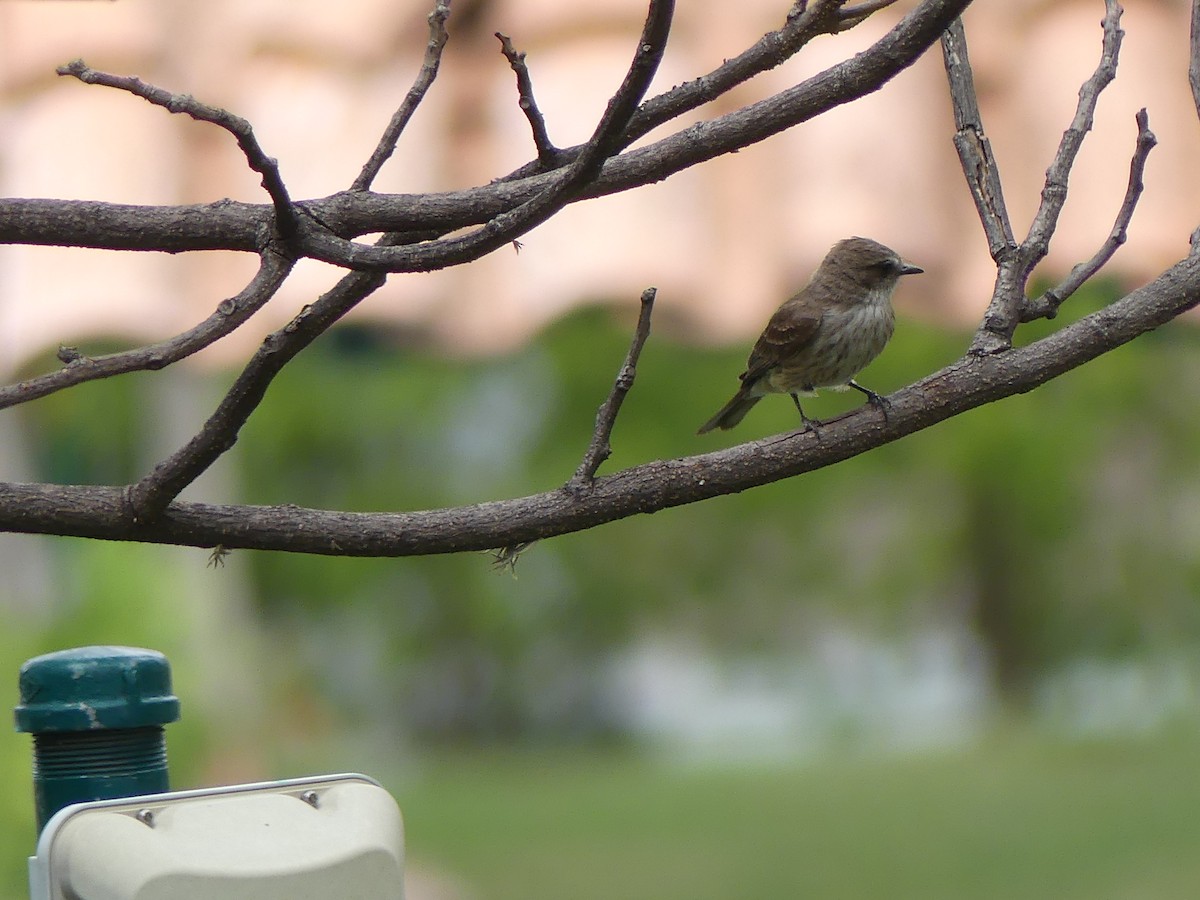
1060	521
1060	525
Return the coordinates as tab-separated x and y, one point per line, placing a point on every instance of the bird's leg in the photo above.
809	424
878	401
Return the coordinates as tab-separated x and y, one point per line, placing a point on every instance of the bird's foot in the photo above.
881	403
813	425
807	424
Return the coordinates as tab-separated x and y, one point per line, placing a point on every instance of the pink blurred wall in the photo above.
724	242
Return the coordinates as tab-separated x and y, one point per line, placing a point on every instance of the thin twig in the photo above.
1194	55
803	23
1054	193
1046	306
983	179
567	185
1014	265
853	15
236	226
268	168
546	151
429	69
974	149
600	449
1194	81
227	317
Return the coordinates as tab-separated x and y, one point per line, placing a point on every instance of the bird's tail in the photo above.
732	412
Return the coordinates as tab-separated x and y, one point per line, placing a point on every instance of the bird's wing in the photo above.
788	332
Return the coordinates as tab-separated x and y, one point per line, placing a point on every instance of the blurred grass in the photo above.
1020	815
1027	817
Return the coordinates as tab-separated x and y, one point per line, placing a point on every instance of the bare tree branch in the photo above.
99	512
563	187
150	496
983	179
264	165
599	449
852	15
1194	55
547	154
974	149
858	76
804	22
1014	265
1194	81
399	121
222	225
414	227
1054	193
228	316
234	226
1047	305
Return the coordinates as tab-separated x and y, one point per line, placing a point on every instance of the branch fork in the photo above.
1015	261
599	449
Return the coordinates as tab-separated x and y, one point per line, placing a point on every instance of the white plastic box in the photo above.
334	836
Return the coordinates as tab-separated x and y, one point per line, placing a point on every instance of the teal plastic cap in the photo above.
95	688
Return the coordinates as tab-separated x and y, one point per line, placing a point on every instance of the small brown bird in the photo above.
826	333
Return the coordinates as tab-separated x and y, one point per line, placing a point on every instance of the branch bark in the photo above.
226	318
268	168
99	512
149	497
1046	306
974	148
599	449
236	226
1014	264
425	78
414	228
1194	55
548	156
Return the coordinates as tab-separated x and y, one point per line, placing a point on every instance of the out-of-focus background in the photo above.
961	665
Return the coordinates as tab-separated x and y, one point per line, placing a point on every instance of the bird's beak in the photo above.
910	269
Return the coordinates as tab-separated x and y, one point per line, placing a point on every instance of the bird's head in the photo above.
866	263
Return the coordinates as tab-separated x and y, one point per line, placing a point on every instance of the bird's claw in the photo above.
810	425
881	403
